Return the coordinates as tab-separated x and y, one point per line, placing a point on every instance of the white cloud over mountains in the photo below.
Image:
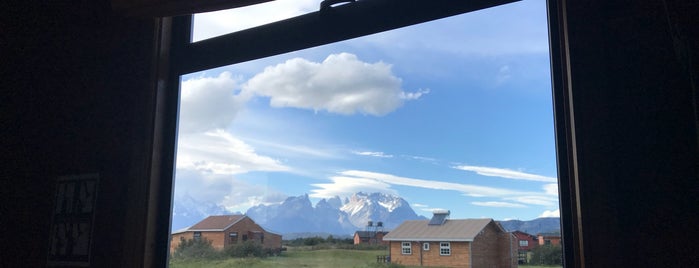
340	84
209	103
350	181
506	173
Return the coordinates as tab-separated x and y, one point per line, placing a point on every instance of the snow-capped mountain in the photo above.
389	209
333	215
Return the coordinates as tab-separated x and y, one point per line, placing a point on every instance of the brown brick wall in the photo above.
494	248
459	255
220	240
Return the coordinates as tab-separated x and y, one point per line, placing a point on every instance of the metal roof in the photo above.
216	223
451	230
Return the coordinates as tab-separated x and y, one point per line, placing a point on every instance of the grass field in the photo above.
332	258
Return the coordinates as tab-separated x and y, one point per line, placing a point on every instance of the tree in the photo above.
547	255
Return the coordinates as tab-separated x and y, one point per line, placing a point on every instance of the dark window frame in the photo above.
176	55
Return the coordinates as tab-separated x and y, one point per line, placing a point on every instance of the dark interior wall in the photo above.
76	83
636	130
77	98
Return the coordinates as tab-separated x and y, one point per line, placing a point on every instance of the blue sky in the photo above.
452	114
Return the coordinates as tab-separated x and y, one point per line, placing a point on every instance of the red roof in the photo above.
216	223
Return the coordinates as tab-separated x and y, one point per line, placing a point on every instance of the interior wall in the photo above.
76	83
636	130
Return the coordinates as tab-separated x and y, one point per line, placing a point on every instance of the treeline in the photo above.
330	242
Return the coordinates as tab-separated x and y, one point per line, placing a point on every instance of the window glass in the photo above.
354	138
444	248
406	248
426	246
523	243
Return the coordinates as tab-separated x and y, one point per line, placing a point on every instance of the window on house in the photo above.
233	237
426	246
444	248
406	248
547	242
197	236
523	243
245	237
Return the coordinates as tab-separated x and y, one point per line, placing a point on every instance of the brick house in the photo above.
226	230
549	239
370	237
525	243
452	243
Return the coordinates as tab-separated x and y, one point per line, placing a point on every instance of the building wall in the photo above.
555	240
244	227
459	257
494	248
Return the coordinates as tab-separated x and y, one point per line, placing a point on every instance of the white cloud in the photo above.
506	173
225	190
374	154
340	84
209	103
218	152
418	205
346	186
468	189
211	24
498	204
551	189
551	213
535	200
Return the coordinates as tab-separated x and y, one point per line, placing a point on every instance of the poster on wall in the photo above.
70	236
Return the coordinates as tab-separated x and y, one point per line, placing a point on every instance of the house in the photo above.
452	243
370	237
549	238
227	230
525	243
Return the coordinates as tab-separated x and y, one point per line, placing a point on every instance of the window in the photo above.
426	246
523	243
233	237
444	248
547	242
196	166
406	248
197	236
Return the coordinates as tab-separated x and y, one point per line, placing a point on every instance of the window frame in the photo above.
406	248
173	48
525	244
426	246
196	236
444	246
233	237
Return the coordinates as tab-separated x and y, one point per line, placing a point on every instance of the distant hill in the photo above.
535	226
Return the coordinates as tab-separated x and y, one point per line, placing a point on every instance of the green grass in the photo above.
538	266
332	258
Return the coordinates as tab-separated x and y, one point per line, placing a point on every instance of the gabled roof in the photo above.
451	230
216	223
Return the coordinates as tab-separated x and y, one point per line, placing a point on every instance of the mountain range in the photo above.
297	216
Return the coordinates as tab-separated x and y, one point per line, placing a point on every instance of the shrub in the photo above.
247	249
195	249
547	255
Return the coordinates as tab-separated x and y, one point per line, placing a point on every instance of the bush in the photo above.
195	249
247	249
547	255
